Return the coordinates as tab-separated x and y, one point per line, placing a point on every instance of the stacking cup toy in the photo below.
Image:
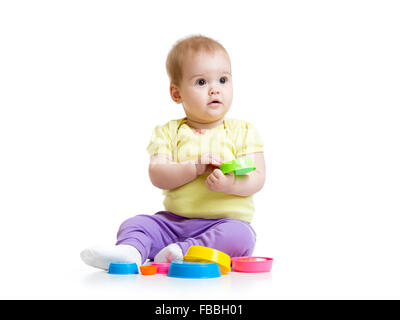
252	264
148	270
193	270
205	254
122	268
161	267
239	167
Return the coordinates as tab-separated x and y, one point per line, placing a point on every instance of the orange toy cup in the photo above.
148	270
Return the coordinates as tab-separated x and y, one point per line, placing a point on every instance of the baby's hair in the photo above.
185	46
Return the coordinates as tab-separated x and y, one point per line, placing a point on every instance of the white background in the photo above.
83	83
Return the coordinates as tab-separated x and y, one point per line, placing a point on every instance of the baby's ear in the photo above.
174	92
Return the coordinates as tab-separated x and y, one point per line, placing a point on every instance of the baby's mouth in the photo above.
214	103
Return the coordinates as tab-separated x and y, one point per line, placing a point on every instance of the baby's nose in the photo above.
214	90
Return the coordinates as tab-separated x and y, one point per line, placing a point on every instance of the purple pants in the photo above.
151	233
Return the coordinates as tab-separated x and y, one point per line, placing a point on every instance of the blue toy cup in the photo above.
193	270
123	268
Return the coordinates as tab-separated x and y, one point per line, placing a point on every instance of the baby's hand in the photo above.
219	182
207	163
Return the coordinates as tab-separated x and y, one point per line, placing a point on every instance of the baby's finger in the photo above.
218	174
212	178
208	184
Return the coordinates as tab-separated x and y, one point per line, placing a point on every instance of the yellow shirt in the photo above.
229	140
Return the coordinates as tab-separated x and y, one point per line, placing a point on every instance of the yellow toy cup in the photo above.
205	254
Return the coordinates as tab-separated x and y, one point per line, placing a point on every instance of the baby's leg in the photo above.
138	238
234	237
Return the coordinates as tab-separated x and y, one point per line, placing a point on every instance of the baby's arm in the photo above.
167	174
239	185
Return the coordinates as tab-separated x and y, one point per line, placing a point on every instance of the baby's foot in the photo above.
101	256
169	253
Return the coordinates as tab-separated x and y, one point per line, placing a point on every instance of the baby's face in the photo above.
206	87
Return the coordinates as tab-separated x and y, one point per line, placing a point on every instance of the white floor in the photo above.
292	277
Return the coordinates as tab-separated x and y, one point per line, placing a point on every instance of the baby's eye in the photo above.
223	80
201	82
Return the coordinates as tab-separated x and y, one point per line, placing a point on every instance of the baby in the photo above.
202	205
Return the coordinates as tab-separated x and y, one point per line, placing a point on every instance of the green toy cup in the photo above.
239	167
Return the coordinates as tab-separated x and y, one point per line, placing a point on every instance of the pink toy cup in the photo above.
161	267
252	264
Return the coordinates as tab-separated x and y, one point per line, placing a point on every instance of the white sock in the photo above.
101	256
169	253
